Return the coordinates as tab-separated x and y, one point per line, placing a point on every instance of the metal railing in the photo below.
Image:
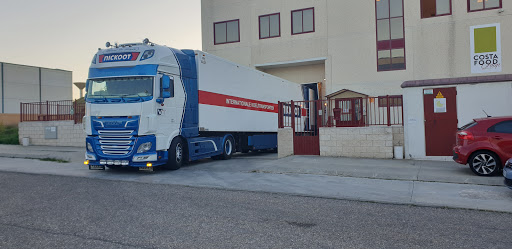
307	116
52	111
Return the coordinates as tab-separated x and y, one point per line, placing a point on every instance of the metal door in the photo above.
440	108
306	140
349	112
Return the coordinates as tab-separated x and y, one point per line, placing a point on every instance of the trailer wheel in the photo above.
176	155
228	149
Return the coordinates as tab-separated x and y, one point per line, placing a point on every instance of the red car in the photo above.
485	144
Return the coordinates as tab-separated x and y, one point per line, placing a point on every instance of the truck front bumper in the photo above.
149	158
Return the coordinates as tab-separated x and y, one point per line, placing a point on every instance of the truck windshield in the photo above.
126	87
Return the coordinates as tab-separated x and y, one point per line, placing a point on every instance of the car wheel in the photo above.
176	155
484	163
229	147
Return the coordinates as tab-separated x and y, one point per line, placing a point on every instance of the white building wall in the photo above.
56	85
473	100
21	84
345	34
26	84
494	98
302	74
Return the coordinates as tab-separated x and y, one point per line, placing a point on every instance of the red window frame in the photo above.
302	10
389	45
484	9
279	23
447	14
215	36
395	100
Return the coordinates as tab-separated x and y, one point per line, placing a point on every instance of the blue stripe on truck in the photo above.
190	122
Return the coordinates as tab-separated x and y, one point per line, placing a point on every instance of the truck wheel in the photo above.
176	154
228	149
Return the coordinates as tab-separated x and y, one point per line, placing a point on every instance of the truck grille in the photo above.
116	143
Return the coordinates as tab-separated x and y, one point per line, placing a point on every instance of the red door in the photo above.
349	112
306	140
440	108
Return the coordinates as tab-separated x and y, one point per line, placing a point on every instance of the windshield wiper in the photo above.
139	97
99	97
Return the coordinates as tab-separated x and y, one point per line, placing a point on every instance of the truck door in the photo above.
169	112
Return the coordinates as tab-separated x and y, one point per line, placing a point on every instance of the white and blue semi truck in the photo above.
149	105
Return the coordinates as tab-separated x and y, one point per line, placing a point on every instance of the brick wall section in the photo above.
398	136
360	142
68	133
285	142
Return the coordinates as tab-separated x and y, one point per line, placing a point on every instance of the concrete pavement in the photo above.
424	183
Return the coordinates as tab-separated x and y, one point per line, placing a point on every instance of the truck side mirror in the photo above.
167	87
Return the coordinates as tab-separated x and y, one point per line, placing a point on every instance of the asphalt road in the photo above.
42	211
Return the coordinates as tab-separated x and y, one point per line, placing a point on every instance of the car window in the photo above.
502	127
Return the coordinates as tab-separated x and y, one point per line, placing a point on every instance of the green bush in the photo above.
9	135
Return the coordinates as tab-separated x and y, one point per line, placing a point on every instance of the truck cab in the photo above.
135	105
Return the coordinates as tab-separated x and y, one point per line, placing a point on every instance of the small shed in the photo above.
435	108
345	94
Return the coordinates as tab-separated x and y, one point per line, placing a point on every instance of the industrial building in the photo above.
378	47
21	83
367	46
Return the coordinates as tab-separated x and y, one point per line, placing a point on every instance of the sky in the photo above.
65	34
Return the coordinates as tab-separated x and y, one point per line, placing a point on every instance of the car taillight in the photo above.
465	135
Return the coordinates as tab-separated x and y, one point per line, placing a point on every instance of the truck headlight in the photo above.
145	147
89	147
508	164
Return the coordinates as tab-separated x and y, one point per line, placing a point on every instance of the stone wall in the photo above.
68	133
360	142
398	136
285	142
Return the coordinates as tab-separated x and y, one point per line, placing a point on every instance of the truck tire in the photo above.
175	155
227	148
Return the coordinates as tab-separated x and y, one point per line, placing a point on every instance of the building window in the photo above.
395	100
477	5
226	32
303	21
390	35
431	8
270	26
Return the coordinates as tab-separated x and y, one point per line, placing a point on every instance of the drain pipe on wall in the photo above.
2	83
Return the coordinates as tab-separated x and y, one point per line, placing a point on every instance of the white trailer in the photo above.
149	105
